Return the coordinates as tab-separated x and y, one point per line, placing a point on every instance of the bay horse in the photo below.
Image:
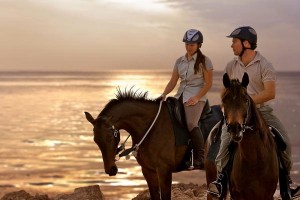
157	153
255	166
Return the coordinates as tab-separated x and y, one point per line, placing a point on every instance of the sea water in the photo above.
46	142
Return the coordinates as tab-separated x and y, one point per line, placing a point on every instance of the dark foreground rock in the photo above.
23	195
180	192
84	193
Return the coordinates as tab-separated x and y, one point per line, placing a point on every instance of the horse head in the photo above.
236	103
107	137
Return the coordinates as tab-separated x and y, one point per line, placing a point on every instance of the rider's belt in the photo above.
259	105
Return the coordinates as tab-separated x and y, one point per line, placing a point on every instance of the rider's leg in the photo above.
198	148
218	186
192	114
272	120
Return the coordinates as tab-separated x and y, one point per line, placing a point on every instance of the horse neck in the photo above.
135	117
256	143
251	145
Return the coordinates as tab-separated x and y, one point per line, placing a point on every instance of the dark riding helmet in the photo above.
245	33
193	36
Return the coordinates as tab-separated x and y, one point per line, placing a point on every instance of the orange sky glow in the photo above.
97	35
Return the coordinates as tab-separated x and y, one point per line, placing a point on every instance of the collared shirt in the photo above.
190	83
260	70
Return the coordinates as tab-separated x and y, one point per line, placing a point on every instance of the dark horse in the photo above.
255	167
157	154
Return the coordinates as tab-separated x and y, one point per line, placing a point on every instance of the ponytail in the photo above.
199	60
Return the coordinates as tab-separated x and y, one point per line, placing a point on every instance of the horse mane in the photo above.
127	95
131	94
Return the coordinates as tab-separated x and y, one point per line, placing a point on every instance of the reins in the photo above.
136	147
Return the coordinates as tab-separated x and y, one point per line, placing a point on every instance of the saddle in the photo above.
209	117
278	138
178	111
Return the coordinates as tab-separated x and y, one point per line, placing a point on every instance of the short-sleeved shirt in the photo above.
190	83
260	70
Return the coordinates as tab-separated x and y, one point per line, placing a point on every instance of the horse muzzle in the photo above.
112	171
235	131
237	137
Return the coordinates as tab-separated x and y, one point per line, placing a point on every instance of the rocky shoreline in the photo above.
180	191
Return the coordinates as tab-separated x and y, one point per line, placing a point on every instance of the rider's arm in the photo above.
208	74
207	85
267	94
172	83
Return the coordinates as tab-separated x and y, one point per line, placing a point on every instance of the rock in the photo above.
87	193
19	195
23	195
188	191
180	192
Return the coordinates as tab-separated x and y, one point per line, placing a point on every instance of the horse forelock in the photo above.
236	91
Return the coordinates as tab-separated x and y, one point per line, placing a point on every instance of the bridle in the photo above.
135	148
245	125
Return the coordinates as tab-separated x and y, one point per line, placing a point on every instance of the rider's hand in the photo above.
161	97
192	101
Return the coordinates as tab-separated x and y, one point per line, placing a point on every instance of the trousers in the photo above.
193	114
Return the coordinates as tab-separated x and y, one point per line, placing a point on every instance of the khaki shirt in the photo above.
260	70
190	83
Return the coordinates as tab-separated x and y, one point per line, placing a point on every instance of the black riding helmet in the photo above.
245	33
193	36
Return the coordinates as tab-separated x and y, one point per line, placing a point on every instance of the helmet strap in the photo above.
244	48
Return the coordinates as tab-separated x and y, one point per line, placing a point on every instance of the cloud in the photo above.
74	34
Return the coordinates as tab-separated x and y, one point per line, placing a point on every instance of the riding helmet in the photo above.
193	36
245	33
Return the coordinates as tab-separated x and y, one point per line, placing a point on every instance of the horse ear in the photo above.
245	80
89	117
226	80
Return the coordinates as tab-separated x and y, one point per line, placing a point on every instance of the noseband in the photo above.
115	131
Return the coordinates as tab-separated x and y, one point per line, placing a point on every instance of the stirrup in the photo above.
217	190
218	187
194	165
295	192
191	164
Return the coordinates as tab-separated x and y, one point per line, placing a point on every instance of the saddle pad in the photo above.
181	133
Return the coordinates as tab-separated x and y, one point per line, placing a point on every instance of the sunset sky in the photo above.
97	35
